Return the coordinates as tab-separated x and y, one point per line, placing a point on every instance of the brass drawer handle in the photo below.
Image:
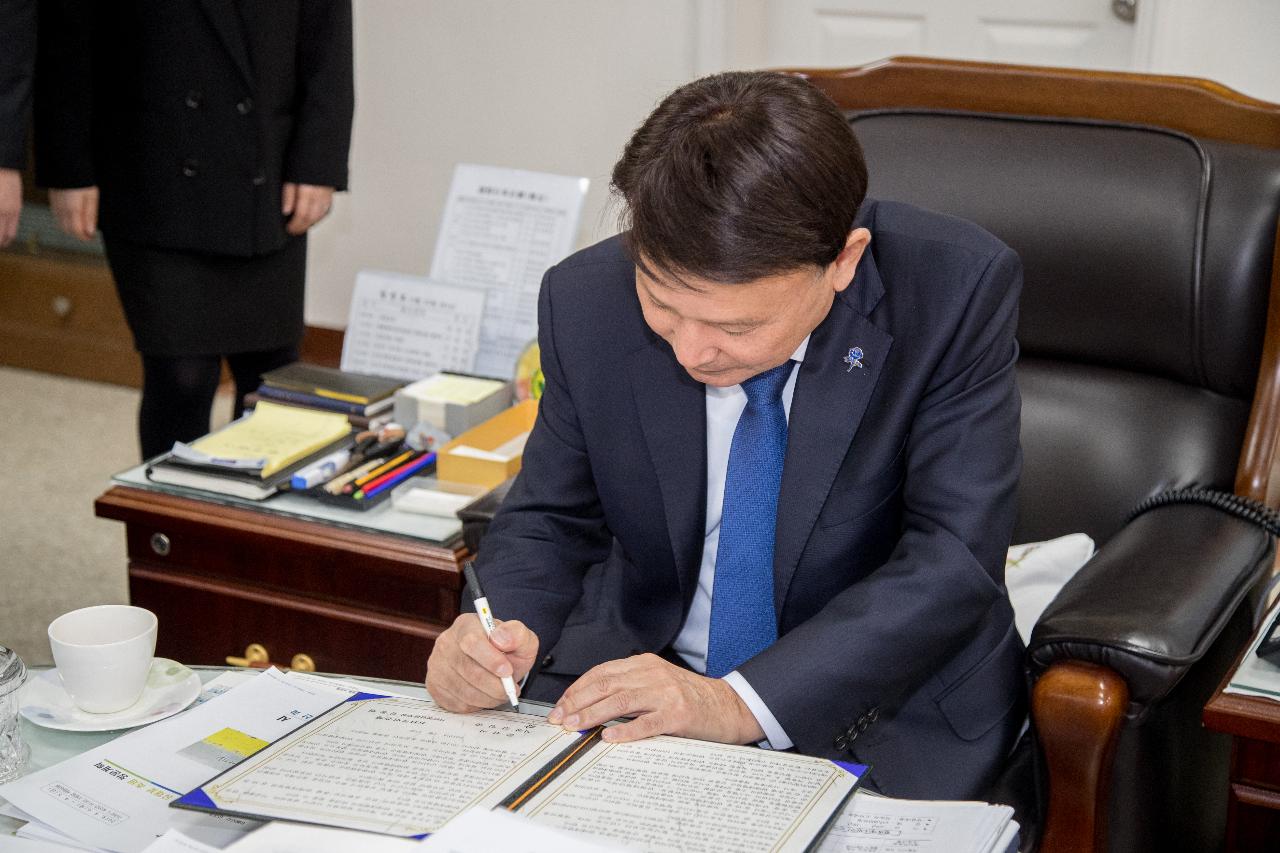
257	657
160	544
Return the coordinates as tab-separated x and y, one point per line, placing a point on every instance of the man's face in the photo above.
723	334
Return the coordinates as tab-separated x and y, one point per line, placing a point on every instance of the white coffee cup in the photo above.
103	655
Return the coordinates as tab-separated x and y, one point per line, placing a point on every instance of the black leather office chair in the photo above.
1144	209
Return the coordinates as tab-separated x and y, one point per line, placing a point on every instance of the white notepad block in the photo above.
431	502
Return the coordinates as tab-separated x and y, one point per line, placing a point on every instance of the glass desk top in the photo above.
384	518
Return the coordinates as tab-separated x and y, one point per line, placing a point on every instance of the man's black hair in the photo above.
739	176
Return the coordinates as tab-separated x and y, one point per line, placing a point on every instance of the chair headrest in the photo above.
1143	248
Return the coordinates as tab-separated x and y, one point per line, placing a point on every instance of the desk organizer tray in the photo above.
348	502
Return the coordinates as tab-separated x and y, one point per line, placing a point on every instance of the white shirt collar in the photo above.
798	355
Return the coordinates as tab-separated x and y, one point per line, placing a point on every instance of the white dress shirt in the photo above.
724	407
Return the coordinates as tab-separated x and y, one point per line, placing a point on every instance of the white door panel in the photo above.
1081	33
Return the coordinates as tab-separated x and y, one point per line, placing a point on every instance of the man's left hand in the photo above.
305	205
663	698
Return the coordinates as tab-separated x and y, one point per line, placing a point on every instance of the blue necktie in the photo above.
743	623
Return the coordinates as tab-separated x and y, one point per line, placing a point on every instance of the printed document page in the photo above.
502	229
392	765
408	327
673	794
873	824
474	831
284	837
116	796
482	831
174	841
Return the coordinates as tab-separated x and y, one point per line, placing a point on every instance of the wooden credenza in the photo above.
1253	810
221	578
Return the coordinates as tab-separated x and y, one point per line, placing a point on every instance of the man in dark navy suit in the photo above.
771	484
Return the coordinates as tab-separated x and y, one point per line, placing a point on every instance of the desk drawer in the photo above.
61	315
203	621
1254	822
239	547
1257	764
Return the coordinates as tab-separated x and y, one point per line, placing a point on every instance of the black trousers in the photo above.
178	390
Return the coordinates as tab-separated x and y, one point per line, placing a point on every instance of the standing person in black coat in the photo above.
17	61
204	138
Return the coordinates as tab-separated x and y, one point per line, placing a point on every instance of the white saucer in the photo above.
170	688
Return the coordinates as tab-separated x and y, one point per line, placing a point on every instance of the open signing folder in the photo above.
405	767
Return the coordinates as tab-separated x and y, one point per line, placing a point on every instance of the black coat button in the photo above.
548	660
259	179
193	99
190	168
245	107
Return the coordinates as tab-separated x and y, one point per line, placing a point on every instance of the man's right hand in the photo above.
76	210
465	669
10	204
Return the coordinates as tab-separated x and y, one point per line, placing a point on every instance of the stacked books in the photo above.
256	455
360	397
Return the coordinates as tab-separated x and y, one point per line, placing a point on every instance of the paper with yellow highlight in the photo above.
224	748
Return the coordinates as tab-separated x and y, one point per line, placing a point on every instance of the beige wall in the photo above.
1234	42
558	86
547	85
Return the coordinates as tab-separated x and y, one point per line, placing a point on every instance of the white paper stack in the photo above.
115	797
875	824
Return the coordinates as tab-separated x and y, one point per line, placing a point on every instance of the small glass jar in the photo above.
13	752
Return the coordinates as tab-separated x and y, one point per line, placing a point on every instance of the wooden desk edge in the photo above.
130	505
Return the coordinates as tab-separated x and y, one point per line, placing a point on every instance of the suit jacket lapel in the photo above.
226	22
830	398
672	409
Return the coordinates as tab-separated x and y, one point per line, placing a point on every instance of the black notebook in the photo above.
331	383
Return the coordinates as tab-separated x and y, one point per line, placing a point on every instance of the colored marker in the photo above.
486	620
392	478
379	471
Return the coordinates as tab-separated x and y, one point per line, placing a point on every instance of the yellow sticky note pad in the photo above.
279	434
452	388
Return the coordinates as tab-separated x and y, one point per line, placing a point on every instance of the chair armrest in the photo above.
1152	601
